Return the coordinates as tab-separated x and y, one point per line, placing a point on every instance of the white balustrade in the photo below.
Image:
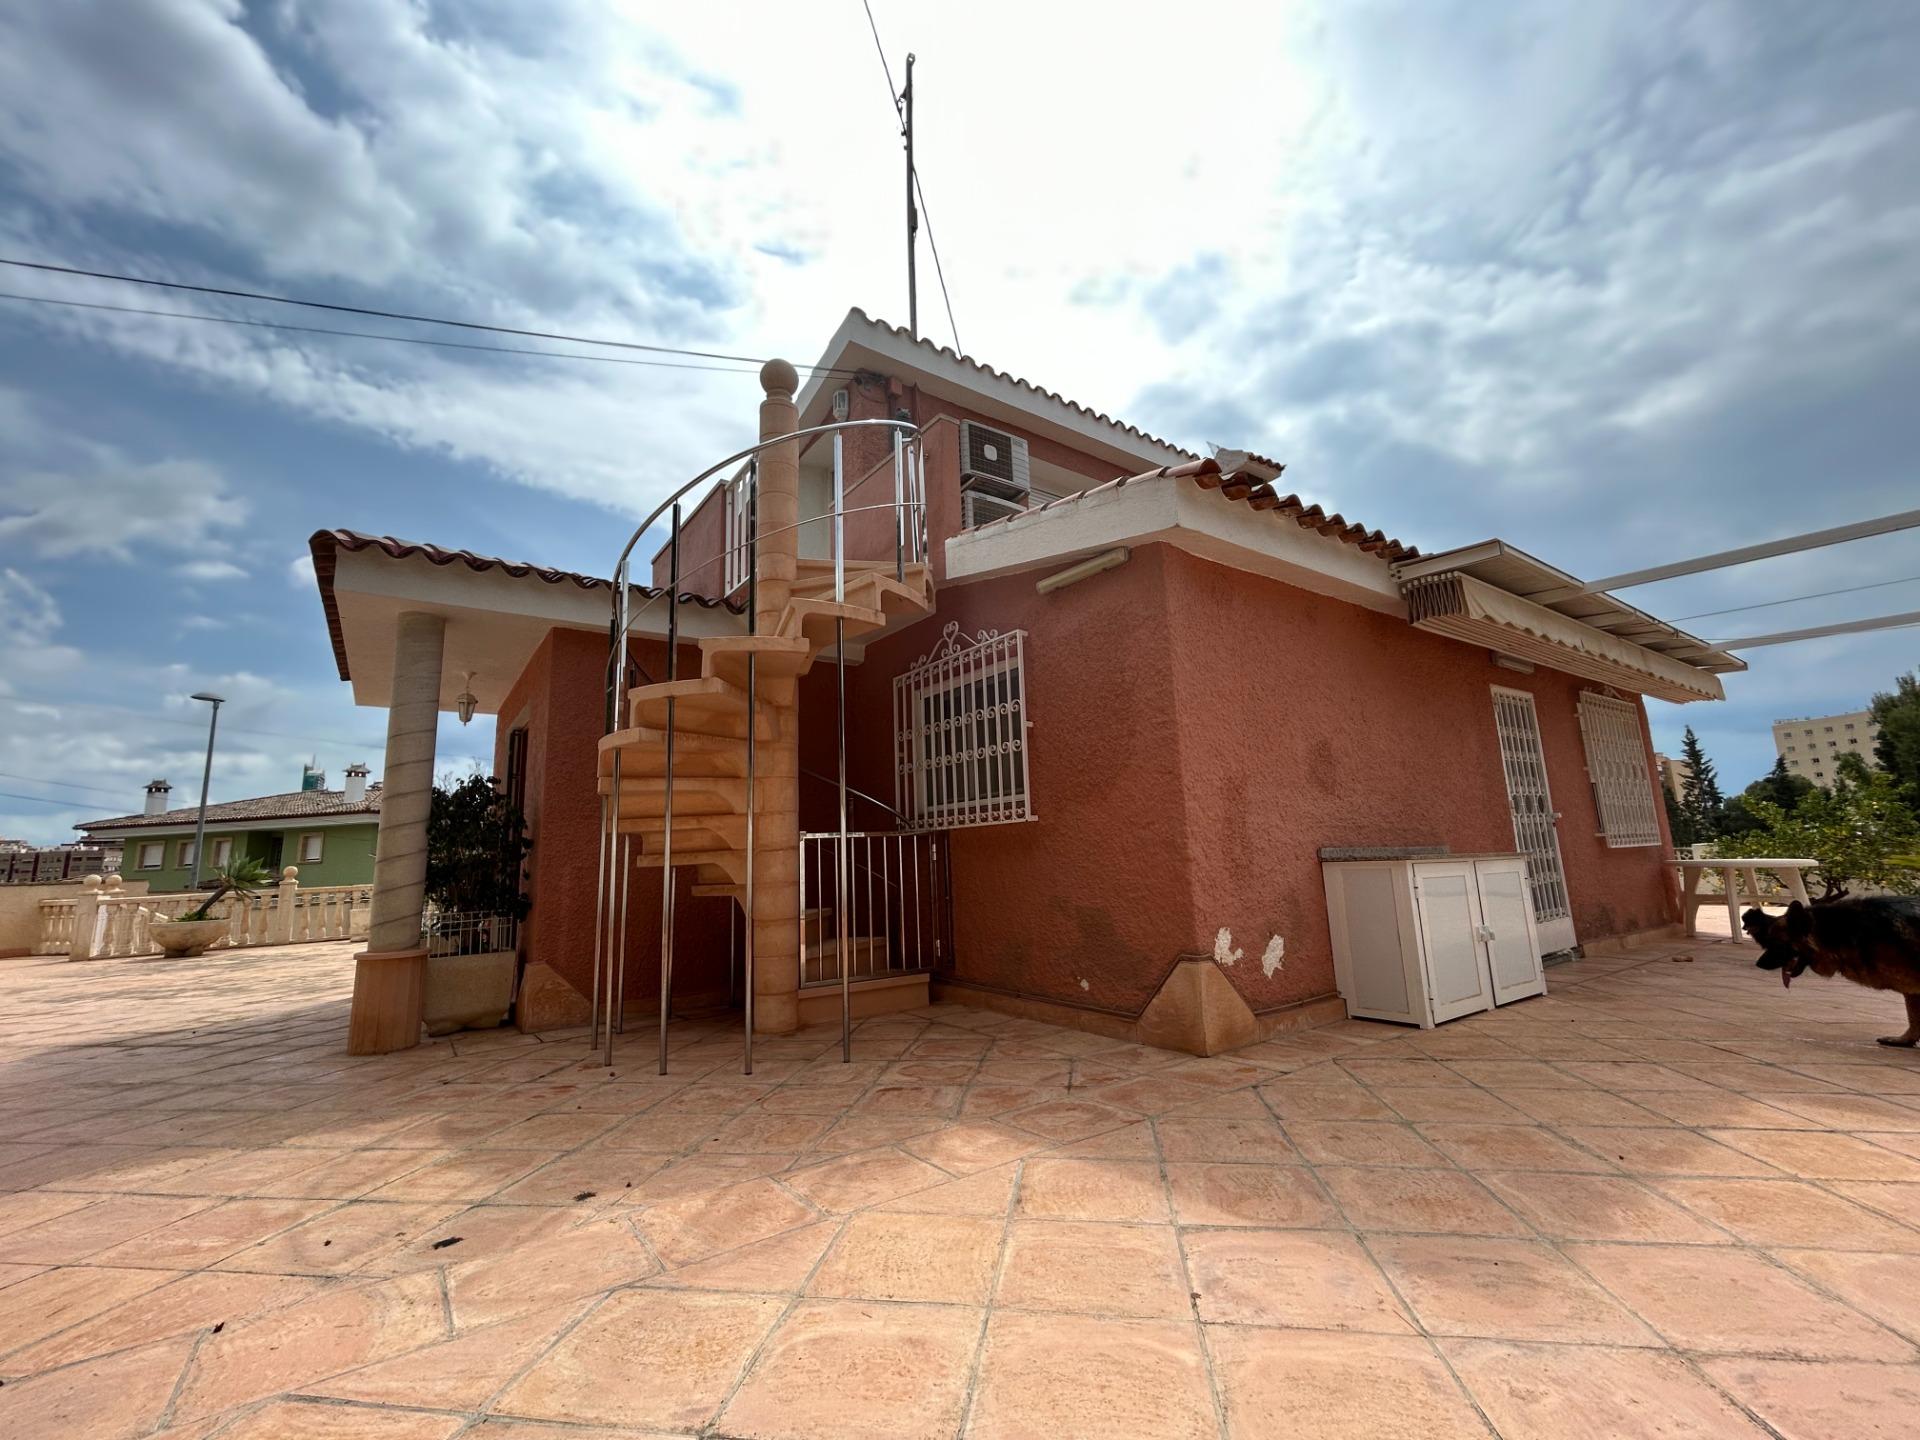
106	923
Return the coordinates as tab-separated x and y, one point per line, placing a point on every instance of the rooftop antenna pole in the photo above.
913	212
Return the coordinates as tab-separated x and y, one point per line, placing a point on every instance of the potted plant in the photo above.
476	853
192	931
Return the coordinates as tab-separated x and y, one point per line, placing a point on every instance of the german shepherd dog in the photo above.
1873	942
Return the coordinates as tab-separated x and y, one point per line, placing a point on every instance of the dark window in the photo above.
517	768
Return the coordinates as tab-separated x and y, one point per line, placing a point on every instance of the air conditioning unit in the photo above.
978	508
993	462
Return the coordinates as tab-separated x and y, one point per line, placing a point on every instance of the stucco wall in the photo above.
20	910
346	854
1306	722
1093	891
559	698
1199	733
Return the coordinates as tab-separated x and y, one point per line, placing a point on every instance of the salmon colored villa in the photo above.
1104	747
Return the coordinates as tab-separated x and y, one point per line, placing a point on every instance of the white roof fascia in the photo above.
1173	510
222	827
866	344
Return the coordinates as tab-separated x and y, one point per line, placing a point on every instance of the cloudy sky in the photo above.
1619	282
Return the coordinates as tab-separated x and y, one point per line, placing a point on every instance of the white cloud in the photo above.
300	573
64	493
210	570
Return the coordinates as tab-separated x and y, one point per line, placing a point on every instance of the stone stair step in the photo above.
814	619
706	706
643	753
779	657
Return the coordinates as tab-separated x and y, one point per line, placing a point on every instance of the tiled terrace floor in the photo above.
1666	1200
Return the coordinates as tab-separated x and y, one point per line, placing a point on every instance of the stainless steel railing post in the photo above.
666	831
753	596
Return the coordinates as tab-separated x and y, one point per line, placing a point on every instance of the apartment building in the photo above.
1812	745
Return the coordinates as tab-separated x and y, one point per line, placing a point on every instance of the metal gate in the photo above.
1531	801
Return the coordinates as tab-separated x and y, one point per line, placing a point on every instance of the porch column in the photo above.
389	976
776	880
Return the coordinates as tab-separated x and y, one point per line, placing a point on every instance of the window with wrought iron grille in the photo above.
1617	769
960	733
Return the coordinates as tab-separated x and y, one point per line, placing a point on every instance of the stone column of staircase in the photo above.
795	617
776	876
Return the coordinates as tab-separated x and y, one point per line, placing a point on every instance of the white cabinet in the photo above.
1427	940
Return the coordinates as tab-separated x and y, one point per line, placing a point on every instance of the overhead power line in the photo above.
407	317
40	800
372	335
939	271
57	784
1796	599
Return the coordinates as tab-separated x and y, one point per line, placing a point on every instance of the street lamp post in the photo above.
206	779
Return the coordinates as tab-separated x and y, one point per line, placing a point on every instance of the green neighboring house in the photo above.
329	834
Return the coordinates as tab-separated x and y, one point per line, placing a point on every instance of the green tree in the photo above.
1861	832
1679	823
476	849
1897	713
1700	796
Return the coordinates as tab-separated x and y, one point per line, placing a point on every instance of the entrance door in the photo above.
1534	834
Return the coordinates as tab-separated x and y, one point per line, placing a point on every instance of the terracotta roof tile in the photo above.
325	546
1055	396
1257	494
295	805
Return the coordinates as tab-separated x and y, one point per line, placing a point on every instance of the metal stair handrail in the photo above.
614	869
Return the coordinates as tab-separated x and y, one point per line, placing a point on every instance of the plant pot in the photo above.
468	992
179	939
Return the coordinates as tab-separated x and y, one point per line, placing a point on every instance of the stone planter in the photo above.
179	939
468	992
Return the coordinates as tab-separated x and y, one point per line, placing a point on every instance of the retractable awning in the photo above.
1455	604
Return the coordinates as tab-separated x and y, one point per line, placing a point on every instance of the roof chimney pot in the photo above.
157	791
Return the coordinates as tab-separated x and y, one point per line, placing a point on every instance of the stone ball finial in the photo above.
292	872
779	379
92	882
114	882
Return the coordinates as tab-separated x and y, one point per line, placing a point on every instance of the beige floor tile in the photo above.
1130	1142
1887	1287
1056	1189
988	1193
1789	1212
1665	1151
942	1258
178	1305
307	1420
80	1234
1187	1137
1893	1198
51	1300
965	1148
1360	1142
1267	1196
1579	1107
1834	1400
1599	1207
1444	1202
1717	1109
1297	1100
779	1266
1314	1280
212	1234
853	1370
1511	1147
114	1397
1094	1269
297	1345
1853	1112
461	1372
1094	1379
1502	1289
1063	1120
347	1174
1559	1392
1710	1298
1452	1102
866	1178
646	1358
595	1256
696	1226
340	1240
1305	1386
1815	1155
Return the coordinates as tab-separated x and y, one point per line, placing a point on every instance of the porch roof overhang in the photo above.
1233	519
497	612
1508	568
1454	604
